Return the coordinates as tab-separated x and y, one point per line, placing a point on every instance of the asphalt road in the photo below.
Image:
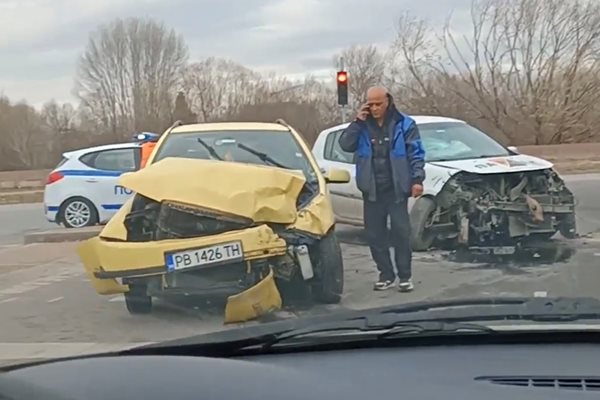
18	219
49	309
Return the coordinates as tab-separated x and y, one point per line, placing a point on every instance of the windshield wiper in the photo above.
467	158
263	156
210	149
442	317
358	330
492	155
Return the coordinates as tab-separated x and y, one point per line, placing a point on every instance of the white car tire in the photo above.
568	226
78	212
420	213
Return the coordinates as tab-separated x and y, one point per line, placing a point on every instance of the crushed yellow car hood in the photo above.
255	192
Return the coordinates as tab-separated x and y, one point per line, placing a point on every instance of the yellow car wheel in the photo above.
329	282
137	300
294	292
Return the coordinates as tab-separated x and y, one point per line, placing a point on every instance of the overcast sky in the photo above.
40	40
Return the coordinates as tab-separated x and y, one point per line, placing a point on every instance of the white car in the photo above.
82	190
476	192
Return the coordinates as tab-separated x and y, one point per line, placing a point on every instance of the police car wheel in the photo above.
78	212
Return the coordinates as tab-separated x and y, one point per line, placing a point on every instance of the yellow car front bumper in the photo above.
105	260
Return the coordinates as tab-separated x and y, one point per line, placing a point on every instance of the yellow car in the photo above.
236	208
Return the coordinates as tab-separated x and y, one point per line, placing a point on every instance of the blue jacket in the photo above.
407	155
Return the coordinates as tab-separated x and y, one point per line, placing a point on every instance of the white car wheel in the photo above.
420	217
78	212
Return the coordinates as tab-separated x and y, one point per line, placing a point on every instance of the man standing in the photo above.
389	169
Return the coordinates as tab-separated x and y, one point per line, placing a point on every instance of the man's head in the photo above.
378	101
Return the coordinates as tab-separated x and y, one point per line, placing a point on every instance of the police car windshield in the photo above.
273	148
448	141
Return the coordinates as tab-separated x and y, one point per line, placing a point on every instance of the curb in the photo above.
62	235
36	196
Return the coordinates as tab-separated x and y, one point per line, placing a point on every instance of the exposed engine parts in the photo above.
150	220
498	209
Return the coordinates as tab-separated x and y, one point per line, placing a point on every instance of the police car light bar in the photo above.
145	137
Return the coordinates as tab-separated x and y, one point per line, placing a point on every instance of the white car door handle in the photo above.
91	180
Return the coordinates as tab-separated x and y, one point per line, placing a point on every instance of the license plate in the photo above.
506	250
204	256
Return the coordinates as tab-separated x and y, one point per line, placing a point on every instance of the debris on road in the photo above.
522	255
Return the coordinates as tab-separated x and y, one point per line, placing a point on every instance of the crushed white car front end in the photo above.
496	201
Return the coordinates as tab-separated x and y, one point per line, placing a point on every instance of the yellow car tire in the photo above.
137	300
328	286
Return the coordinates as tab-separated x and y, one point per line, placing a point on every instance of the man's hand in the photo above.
363	113
417	190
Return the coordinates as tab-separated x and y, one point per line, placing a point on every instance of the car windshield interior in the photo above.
448	141
272	148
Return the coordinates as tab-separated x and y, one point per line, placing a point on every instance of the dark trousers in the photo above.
375	220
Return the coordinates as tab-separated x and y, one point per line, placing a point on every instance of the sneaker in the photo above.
383	285
406	285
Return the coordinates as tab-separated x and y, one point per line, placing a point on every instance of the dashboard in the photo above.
430	372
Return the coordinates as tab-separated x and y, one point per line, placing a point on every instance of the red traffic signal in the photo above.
342	77
342	87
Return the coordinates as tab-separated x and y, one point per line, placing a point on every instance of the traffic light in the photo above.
342	87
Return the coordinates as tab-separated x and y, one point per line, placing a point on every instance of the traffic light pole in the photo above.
342	107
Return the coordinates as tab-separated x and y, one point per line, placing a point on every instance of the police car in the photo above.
82	190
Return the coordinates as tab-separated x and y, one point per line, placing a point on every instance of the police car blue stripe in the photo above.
112	206
105	206
89	172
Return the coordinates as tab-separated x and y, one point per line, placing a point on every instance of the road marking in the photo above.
55	299
24	351
25	287
8	300
10	246
540	294
118	299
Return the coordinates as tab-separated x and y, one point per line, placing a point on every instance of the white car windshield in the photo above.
448	141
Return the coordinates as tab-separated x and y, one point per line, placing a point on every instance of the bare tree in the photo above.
410	73
22	136
129	74
366	68
217	87
60	118
530	68
182	110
